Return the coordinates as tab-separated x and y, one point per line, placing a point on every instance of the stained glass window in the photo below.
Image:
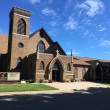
41	47
42	65
68	67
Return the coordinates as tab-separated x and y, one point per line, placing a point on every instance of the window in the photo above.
20	45
68	67
21	27
56	66
75	72
83	73
19	63
42	65
41	47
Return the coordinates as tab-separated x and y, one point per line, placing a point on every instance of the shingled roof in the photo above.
79	61
89	61
3	43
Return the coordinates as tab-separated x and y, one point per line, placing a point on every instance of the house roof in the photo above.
3	43
90	61
79	61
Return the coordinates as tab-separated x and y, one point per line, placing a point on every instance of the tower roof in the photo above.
20	11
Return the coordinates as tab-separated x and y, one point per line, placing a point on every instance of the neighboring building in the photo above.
38	56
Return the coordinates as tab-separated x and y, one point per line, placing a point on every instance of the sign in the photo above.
3	77
13	76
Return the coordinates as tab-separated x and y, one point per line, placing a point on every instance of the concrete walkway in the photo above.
75	85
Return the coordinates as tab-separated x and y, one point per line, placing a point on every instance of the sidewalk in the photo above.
63	88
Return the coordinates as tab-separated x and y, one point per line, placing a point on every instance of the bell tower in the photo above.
19	17
18	35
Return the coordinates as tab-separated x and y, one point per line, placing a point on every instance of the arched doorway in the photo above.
56	72
57	69
98	72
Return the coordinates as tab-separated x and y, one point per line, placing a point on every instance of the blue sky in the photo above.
80	25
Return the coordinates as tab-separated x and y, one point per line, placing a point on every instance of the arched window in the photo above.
83	73
75	72
68	67
41	47
21	27
42	65
56	66
19	63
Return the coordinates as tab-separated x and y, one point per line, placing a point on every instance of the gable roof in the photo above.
3	43
56	43
41	29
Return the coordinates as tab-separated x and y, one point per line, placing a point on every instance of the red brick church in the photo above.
38	56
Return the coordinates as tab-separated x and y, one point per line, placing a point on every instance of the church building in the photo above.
38	56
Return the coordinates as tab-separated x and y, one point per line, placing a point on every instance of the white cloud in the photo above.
53	23
92	7
105	43
39	1
107	52
47	12
71	24
34	1
88	33
86	21
74	53
84	6
102	29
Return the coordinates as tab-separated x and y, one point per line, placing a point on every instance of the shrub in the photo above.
72	80
67	80
51	80
41	80
30	81
22	79
46	81
63	80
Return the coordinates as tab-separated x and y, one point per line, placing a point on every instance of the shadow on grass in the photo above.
103	82
91	99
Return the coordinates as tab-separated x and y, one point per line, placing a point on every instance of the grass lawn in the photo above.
25	87
108	84
105	83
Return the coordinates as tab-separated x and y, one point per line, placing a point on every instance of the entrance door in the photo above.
56	72
56	75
